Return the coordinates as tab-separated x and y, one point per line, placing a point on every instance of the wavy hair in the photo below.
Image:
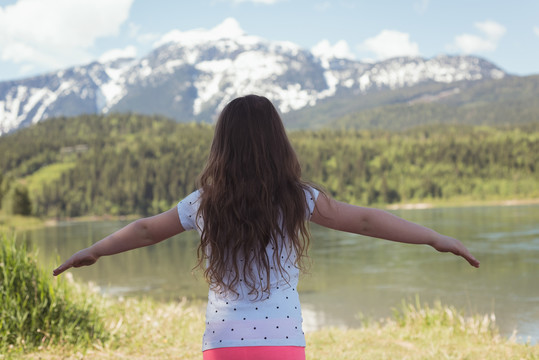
252	196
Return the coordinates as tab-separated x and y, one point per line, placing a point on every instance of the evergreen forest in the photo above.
122	164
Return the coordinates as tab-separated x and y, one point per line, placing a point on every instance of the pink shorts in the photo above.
256	352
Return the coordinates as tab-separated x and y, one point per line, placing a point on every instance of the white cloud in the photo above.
491	33
340	50
471	44
127	52
390	43
229	28
57	33
536	30
491	29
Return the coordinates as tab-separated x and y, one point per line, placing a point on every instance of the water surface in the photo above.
350	275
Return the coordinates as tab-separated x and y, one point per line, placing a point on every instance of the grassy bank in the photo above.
14	223
145	329
46	318
37	312
11	223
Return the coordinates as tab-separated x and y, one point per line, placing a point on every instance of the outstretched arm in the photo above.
142	232
382	224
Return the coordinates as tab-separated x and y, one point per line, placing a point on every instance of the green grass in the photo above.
146	329
11	223
39	311
47	175
420	332
140	329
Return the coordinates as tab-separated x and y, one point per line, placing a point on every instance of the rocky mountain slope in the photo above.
192	74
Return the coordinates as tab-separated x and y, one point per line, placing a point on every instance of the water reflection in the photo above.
350	275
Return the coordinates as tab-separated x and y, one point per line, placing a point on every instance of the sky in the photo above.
38	36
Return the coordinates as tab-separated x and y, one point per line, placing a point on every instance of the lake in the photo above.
351	276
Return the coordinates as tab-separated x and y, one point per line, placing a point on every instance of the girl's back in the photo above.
266	314
252	210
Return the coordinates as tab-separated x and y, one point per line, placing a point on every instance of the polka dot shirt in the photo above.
242	320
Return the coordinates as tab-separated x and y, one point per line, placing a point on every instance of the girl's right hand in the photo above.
83	257
445	243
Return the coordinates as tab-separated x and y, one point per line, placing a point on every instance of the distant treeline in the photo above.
131	164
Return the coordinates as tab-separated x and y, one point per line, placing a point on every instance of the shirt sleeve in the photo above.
187	210
311	194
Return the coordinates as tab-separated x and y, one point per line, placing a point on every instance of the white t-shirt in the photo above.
242	320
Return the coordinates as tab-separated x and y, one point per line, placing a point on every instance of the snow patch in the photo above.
326	52
110	92
247	73
497	74
10	109
293	97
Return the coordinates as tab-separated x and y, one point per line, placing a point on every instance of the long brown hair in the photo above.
252	195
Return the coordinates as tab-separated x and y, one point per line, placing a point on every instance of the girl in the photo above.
251	211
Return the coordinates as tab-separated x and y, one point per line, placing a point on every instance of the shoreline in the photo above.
431	205
399	206
89	218
17	222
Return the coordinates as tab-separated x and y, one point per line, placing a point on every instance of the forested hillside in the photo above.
511	100
131	164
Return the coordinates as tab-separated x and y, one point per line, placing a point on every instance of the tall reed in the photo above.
37	310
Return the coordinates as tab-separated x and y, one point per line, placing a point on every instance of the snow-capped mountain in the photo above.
193	74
